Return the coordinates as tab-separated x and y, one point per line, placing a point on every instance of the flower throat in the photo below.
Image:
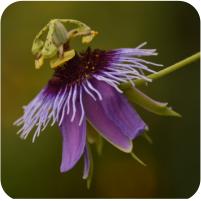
82	66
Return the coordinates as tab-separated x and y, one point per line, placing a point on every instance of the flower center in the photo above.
82	66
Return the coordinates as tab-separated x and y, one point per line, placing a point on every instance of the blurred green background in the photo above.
32	170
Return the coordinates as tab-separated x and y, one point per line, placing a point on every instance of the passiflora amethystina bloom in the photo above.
85	87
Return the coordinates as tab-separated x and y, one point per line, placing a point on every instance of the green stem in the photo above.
165	71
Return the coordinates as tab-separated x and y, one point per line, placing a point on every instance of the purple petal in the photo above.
86	163
99	118
120	112
74	140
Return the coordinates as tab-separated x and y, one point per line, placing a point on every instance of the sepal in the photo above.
94	138
89	175
141	99
137	159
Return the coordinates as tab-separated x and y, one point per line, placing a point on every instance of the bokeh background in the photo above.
173	171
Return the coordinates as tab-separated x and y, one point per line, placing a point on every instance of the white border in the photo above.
195	3
4	4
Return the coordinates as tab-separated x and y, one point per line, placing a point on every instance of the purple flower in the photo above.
86	88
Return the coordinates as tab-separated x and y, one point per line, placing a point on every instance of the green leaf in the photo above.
136	96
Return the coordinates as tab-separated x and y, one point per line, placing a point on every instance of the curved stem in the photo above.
165	71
